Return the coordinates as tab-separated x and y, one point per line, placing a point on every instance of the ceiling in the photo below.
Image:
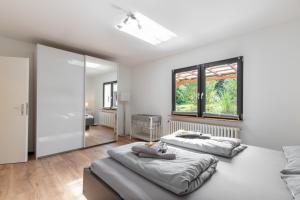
88	26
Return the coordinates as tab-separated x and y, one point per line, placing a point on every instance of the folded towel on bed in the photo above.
155	149
222	146
183	175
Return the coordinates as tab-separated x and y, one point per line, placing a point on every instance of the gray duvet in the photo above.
181	176
221	146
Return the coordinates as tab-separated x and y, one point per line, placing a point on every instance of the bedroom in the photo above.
264	33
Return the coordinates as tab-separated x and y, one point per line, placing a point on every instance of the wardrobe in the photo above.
60	100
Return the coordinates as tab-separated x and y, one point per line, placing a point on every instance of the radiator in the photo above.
214	130
108	119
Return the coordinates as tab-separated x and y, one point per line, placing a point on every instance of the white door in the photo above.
60	101
14	84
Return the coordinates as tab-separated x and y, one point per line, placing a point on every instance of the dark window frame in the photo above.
111	83
174	72
201	89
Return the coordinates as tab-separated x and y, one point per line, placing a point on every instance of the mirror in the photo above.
101	101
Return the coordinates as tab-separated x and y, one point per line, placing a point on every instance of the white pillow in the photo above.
293	183
292	154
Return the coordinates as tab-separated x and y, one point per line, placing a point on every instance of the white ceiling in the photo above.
89	25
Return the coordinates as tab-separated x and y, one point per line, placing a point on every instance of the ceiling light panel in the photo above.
145	29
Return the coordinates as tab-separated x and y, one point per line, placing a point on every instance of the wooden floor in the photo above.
57	177
99	135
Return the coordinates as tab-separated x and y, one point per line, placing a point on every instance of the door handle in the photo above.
20	108
27	108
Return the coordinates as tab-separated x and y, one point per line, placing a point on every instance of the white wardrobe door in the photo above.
60	101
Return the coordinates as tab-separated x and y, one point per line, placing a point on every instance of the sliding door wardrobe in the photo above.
60	80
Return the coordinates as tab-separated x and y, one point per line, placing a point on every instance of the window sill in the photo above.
190	118
109	109
114	108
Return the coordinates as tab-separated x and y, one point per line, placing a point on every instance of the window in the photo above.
186	90
110	99
209	90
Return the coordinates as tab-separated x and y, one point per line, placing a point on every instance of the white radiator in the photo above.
215	130
108	119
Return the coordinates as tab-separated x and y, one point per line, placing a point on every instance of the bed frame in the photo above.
94	188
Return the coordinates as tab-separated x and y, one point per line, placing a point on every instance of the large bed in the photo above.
254	174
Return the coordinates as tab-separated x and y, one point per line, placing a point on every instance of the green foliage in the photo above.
186	108
221	96
186	97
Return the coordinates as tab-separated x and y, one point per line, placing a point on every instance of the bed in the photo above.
89	121
253	174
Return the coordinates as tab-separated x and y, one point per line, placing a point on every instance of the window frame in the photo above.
111	83
174	72
201	89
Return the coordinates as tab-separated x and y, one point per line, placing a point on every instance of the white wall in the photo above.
94	92
14	48
271	88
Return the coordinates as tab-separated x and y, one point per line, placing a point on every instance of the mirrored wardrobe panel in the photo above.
101	101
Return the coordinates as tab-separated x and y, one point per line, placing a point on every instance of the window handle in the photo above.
201	95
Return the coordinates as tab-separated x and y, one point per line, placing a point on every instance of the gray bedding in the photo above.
293	183
254	175
182	176
222	146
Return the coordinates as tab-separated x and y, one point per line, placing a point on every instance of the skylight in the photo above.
142	27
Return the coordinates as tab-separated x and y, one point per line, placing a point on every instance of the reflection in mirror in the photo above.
115	95
101	88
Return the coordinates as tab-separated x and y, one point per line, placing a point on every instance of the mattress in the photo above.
254	174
